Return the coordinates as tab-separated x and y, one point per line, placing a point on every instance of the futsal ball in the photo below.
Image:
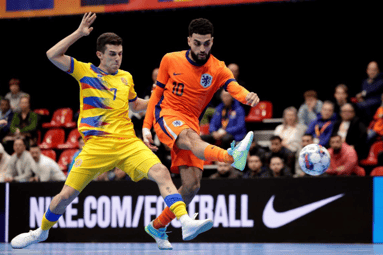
314	159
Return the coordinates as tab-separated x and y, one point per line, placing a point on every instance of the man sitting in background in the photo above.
255	168
15	95
47	169
344	160
278	168
276	149
6	115
225	171
21	165
228	122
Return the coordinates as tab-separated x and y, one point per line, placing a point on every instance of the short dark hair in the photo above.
6	100
310	93
275	137
335	135
201	26
311	136
107	38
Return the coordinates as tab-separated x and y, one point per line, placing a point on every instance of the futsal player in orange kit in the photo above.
186	82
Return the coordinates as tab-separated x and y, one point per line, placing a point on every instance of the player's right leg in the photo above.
190	228
55	210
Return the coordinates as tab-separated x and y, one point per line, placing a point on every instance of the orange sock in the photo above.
164	218
214	153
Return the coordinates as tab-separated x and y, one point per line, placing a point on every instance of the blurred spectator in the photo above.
255	168
276	149
344	160
24	123
47	169
352	130
341	97
225	171
376	126
15	95
321	127
80	145
21	165
4	160
278	167
228	122
6	115
115	174
256	149
306	140
372	89
290	130
310	108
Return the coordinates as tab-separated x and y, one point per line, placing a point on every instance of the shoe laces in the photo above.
163	233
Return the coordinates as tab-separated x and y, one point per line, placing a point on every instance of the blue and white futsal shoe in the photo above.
160	236
191	228
25	239
239	152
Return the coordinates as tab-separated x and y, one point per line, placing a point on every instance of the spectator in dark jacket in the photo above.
278	168
225	171
255	168
276	149
321	127
372	88
228	122
6	114
351	130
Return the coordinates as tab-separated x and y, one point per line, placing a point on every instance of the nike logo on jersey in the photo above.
273	219
177	74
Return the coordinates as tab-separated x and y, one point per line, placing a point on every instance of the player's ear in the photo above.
99	54
189	42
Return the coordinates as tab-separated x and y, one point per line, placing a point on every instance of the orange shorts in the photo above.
167	129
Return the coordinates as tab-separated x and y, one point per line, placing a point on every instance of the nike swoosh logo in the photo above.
273	219
177	74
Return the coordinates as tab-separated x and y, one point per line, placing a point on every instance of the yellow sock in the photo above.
179	209
46	224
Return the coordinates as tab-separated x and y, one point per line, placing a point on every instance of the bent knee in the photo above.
159	171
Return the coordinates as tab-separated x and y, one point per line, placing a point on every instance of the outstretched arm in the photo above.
56	54
242	94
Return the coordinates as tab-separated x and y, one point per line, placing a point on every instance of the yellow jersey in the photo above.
104	101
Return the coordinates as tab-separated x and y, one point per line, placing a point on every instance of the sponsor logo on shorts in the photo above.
177	123
78	162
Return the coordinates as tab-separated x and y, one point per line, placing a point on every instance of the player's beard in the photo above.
199	61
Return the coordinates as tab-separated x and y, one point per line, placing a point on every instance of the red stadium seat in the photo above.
42	111
72	140
204	129
377	171
360	171
66	158
53	138
263	110
61	118
49	153
372	158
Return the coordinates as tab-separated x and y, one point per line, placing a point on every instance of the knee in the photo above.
159	172
68	194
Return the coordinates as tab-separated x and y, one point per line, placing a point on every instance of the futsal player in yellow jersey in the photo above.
106	95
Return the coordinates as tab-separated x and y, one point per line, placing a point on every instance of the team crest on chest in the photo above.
125	81
206	80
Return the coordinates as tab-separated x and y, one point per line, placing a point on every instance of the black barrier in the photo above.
267	210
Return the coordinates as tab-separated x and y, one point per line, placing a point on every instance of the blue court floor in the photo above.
196	248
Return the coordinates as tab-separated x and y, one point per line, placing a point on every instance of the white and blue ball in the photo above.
314	159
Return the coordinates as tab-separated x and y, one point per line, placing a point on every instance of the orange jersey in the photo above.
189	87
186	88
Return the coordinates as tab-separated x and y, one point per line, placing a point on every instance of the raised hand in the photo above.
85	27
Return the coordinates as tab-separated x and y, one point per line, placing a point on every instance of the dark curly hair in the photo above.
201	26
